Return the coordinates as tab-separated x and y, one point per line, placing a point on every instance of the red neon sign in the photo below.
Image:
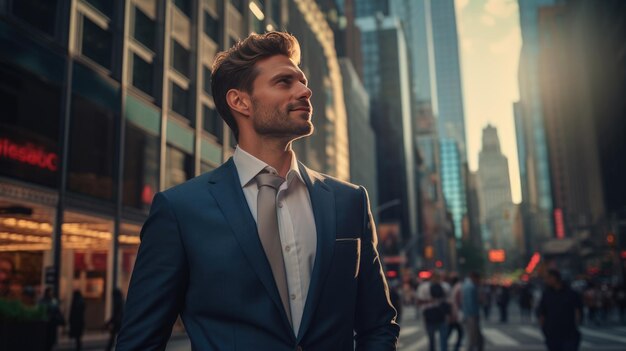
558	223
28	153
497	256
534	260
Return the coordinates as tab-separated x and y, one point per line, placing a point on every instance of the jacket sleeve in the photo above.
375	320
158	283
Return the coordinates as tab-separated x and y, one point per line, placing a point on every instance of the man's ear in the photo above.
239	101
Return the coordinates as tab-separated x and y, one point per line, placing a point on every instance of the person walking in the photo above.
77	318
262	253
502	300
559	314
54	317
456	314
431	298
115	322
525	303
471	312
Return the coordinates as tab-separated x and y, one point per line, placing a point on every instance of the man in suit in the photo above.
205	253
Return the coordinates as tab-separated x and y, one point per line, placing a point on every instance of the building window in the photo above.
178	165
143	73
141	167
145	29
92	136
104	6
207	80
212	122
180	58
276	5
40	14
238	4
211	26
184	6
97	43
205	167
29	126
180	100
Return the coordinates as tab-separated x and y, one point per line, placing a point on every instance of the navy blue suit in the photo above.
201	257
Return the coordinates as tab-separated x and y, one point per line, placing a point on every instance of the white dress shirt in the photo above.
296	224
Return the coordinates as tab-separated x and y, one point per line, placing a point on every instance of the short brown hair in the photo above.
234	68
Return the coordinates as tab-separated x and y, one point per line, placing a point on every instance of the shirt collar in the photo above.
249	166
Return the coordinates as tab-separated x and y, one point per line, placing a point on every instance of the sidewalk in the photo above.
98	341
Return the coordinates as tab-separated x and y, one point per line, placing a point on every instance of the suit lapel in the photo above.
225	186
323	202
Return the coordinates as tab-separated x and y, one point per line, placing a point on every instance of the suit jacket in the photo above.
201	257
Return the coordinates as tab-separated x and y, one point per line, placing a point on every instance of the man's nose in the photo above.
305	92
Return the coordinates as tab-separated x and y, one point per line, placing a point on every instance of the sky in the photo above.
490	43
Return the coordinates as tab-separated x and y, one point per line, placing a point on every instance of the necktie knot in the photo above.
269	179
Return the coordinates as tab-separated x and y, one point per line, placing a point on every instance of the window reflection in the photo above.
178	165
97	43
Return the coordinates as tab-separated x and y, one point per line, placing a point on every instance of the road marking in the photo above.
406	331
532	332
420	345
499	338
599	334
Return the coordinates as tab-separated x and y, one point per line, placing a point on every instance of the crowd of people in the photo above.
452	305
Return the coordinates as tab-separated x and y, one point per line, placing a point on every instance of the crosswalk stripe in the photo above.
406	331
420	345
499	338
532	332
599	334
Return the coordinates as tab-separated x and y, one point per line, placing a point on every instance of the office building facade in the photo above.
107	103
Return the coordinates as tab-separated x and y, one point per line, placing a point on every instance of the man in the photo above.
261	253
431	298
559	314
471	312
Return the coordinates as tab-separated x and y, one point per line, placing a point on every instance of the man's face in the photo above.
280	99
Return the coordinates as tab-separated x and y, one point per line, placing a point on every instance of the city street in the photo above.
513	336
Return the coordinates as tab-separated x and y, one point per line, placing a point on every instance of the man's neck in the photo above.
275	153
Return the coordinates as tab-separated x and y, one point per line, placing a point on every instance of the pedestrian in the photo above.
262	253
525	303
115	322
432	299
456	315
77	318
471	312
486	299
502	300
559	314
54	317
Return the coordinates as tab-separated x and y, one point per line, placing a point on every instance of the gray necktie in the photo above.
267	224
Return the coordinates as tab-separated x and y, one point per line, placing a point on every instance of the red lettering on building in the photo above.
559	224
29	153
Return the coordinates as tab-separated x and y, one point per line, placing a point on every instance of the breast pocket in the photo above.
348	252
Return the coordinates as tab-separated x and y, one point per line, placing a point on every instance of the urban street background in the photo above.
489	134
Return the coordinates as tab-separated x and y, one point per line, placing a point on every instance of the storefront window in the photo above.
86	263
128	243
29	127
25	249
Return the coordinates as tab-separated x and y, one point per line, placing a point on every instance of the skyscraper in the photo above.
495	191
386	78
533	157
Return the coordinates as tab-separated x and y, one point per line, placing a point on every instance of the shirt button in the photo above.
280	204
287	248
293	296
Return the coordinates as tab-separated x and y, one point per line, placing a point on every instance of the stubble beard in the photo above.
274	122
